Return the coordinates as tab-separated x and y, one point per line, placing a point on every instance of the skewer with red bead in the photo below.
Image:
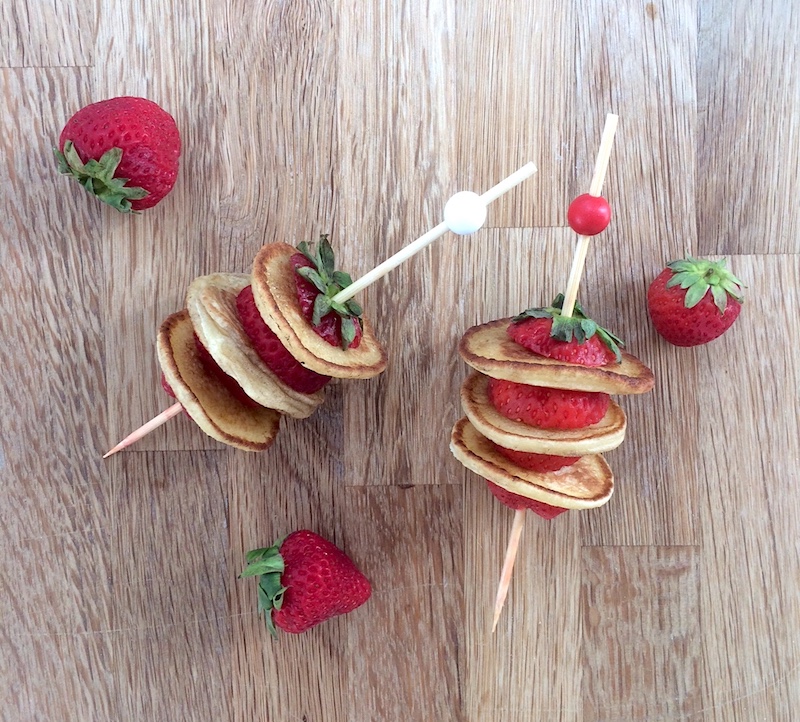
588	215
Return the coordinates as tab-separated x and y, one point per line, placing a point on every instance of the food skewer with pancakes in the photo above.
538	406
247	349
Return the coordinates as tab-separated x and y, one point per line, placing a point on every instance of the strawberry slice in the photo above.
547	408
575	339
517	502
167	388
536	462
318	282
272	352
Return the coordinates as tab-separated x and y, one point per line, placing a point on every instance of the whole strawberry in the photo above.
305	580
693	301
123	150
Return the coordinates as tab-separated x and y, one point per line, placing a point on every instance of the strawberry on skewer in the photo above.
538	408
232	373
298	316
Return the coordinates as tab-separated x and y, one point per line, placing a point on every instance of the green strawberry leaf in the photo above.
304	249
97	177
311	275
695	293
267	564
326	256
329	282
720	298
578	326
342	279
589	327
697	276
322	307
348	331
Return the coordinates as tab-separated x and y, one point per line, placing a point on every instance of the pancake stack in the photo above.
213	368
588	482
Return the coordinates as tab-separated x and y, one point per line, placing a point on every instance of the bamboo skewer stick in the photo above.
429	237
600	168
508	565
145	429
570	296
375	274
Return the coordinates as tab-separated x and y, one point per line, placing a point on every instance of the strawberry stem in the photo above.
329	282
697	276
97	176
267	564
578	326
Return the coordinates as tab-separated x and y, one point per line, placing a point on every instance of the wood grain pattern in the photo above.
50	33
641	642
748	84
119	589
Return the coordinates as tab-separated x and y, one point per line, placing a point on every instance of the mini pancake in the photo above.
489	349
275	294
606	434
211	406
587	484
211	302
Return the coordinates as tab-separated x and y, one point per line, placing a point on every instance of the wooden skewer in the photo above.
145	429
508	564
376	273
600	168
429	237
578	260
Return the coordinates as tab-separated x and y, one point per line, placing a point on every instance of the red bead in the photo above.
589	215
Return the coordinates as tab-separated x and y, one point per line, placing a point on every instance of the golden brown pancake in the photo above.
588	483
210	405
275	294
606	434
211	302
489	349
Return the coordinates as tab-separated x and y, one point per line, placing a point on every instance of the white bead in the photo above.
465	213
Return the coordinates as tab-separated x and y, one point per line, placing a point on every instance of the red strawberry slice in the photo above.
536	462
547	408
330	326
167	388
535	335
517	502
228	382
304	581
272	352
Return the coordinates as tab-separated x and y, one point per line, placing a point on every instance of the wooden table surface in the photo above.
680	599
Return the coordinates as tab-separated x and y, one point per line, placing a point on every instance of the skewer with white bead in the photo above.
570	296
464	214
